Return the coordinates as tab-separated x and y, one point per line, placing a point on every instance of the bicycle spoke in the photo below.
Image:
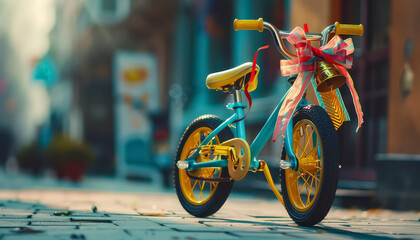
308	196
300	191
197	141
308	191
309	138
193	186
187	181
296	179
313	130
315	148
305	181
312	182
306	171
300	147
201	191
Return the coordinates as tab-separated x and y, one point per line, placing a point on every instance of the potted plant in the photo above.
30	159
68	157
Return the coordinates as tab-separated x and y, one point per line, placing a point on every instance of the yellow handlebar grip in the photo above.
249	24
348	29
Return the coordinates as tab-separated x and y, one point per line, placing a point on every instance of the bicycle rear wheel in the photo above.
309	191
199	197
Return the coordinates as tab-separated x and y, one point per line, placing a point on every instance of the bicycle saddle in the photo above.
233	78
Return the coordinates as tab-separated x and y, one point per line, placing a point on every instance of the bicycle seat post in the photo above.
237	97
238	106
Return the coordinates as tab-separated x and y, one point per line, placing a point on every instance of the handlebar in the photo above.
348	29
249	24
278	36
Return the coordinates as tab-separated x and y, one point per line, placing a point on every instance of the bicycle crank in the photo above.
239	158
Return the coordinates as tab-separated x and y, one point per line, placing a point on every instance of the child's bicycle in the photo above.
212	153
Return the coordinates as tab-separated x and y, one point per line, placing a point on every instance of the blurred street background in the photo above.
105	88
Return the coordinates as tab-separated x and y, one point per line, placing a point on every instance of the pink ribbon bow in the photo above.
335	51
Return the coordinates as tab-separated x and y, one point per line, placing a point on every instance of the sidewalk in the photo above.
45	209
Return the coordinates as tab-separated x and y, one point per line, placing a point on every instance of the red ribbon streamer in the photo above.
254	63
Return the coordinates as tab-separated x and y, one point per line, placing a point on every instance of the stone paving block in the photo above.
53	228
49	211
321	233
332	221
175	220
5	220
94	234
254	237
394	230
44	217
25	236
123	215
281	229
14	216
152	212
88	214
7	230
260	223
138	224
131	218
98	225
355	233
17	212
53	223
14	223
195	228
90	219
181	235
229	226
119	210
268	236
343	230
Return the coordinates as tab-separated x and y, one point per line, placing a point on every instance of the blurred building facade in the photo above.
87	37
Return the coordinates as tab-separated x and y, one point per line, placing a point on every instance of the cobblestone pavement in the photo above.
148	212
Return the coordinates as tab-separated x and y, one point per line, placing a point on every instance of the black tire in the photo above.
327	186
223	189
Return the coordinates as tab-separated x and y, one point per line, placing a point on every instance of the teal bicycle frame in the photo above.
268	127
259	141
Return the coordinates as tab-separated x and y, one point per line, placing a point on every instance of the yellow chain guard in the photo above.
238	166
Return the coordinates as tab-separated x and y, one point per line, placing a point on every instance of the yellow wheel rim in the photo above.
303	185
198	192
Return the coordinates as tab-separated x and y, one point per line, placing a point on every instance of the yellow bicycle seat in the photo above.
232	77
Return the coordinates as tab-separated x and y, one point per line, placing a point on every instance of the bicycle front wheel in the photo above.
309	191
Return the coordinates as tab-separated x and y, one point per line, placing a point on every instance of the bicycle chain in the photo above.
225	179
